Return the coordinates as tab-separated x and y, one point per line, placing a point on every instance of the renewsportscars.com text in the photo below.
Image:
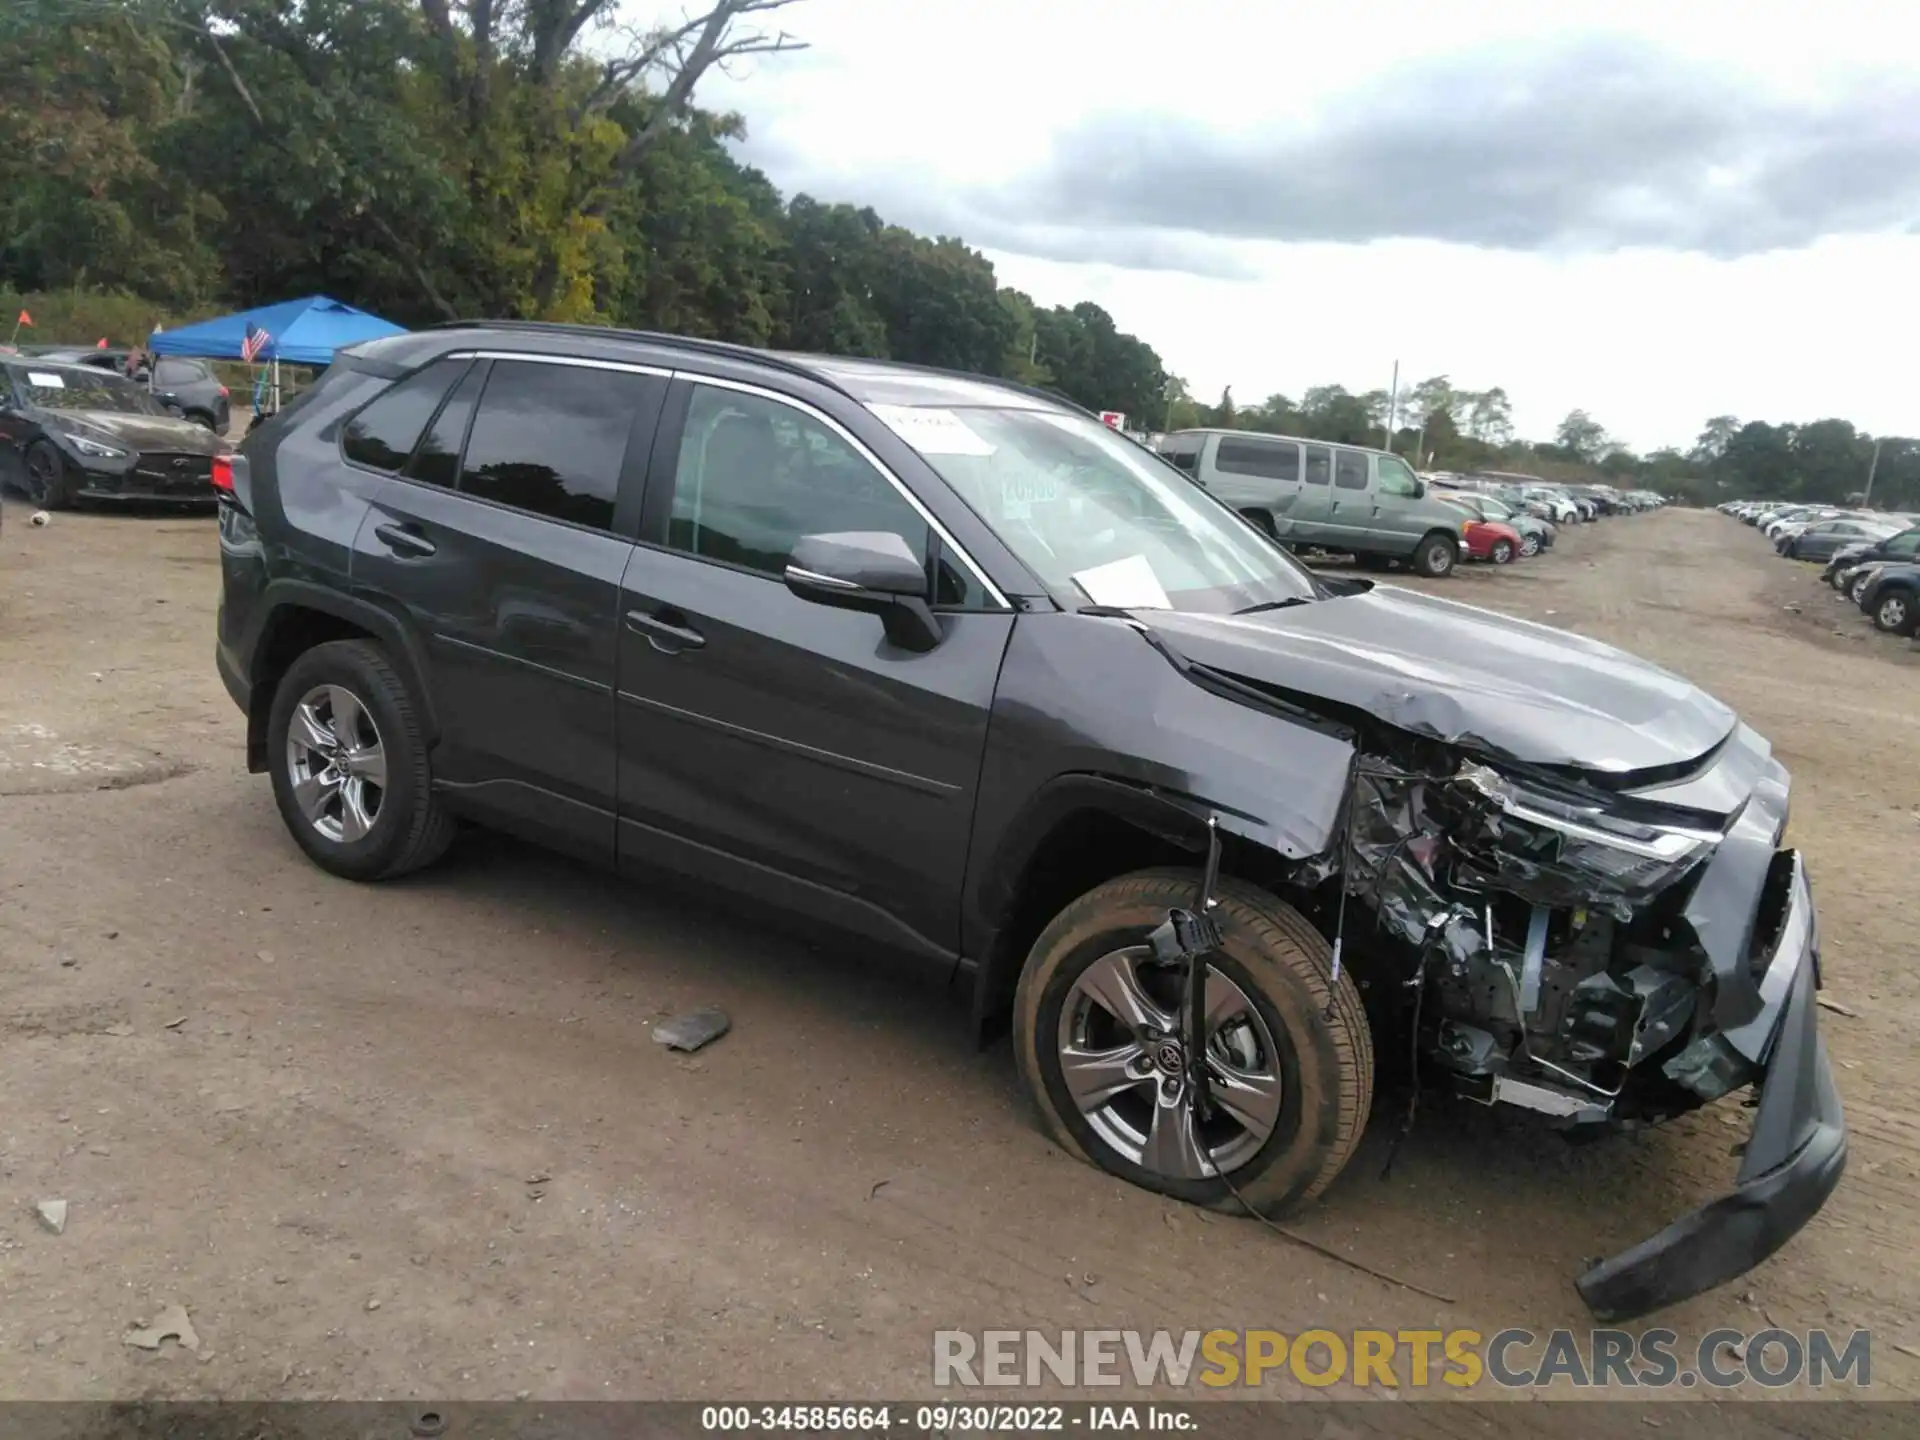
1400	1359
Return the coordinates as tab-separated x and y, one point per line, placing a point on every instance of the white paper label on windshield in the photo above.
931	432
45	380
1128	584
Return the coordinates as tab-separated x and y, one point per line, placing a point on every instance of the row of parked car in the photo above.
1870	556
1353	500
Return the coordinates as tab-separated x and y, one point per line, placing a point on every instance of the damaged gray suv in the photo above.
946	664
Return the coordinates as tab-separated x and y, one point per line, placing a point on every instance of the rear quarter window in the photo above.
383	434
1268	459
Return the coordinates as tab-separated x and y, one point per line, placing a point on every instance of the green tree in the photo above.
1582	437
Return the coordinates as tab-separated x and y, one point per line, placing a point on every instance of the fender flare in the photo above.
1180	820
284	596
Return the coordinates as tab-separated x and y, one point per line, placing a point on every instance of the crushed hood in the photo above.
144	432
1463	675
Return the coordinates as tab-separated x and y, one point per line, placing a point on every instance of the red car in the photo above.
1490	540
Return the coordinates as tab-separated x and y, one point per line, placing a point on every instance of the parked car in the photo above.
69	432
1819	540
187	388
1891	599
945	664
1903	545
1310	493
1533	535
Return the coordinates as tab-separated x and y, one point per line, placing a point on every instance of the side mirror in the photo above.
874	571
1419	489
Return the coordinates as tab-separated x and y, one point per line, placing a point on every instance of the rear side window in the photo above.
383	434
1319	464
1349	470
437	461
1182	452
1268	459
178	372
550	439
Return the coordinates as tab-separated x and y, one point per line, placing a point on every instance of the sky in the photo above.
1655	210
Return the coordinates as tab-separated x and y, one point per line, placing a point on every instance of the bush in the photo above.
81	317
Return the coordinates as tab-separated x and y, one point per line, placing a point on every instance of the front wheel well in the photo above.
1083	849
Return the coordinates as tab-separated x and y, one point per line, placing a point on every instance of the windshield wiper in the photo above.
1276	604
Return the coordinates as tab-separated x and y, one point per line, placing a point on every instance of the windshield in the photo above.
1494	510
76	389
1099	520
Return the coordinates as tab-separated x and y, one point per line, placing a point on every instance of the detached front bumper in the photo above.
1794	1156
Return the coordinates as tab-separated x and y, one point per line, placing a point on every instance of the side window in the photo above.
178	372
437	460
1269	460
550	439
1905	543
1395	477
1349	470
383	434
1182	452
755	475
1319	464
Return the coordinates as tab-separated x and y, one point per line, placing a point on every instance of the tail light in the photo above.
223	474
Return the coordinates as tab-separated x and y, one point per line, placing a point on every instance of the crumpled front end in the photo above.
1615	957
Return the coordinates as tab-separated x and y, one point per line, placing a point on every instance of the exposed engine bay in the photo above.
1552	962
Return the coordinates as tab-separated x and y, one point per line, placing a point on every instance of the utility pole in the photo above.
1866	500
1393	410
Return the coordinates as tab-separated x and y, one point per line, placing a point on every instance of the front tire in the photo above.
1893	613
1291	1066
51	483
1436	556
350	767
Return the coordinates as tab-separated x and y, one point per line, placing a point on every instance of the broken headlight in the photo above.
1554	852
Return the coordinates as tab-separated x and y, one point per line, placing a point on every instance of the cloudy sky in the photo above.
1657	210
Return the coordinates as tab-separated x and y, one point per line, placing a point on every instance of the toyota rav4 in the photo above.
945	663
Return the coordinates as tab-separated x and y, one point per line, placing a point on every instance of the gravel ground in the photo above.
414	1139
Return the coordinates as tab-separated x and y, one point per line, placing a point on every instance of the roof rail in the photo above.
721	348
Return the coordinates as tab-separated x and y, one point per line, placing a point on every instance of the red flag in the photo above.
25	319
101	343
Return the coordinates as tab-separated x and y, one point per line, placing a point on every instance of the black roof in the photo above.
871	382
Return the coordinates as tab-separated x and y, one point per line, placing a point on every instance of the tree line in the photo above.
434	159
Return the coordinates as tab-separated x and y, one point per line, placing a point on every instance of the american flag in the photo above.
256	341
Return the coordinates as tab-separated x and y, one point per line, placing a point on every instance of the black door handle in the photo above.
403	541
663	634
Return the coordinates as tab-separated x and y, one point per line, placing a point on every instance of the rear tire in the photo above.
1273	974
1436	556
1502	552
1893	613
397	824
1530	547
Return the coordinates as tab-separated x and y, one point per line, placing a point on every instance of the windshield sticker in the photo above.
1128	584
931	432
45	380
1021	490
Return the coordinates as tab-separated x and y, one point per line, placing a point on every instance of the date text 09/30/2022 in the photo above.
949	1419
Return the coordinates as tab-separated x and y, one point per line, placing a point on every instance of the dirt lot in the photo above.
415	1140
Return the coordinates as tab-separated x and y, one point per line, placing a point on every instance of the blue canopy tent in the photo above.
304	332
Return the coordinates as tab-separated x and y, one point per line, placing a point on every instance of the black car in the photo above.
1903	546
1820	540
71	432
945	664
187	388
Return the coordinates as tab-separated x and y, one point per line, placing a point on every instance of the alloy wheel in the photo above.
337	763
1893	613
43	474
1126	1067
